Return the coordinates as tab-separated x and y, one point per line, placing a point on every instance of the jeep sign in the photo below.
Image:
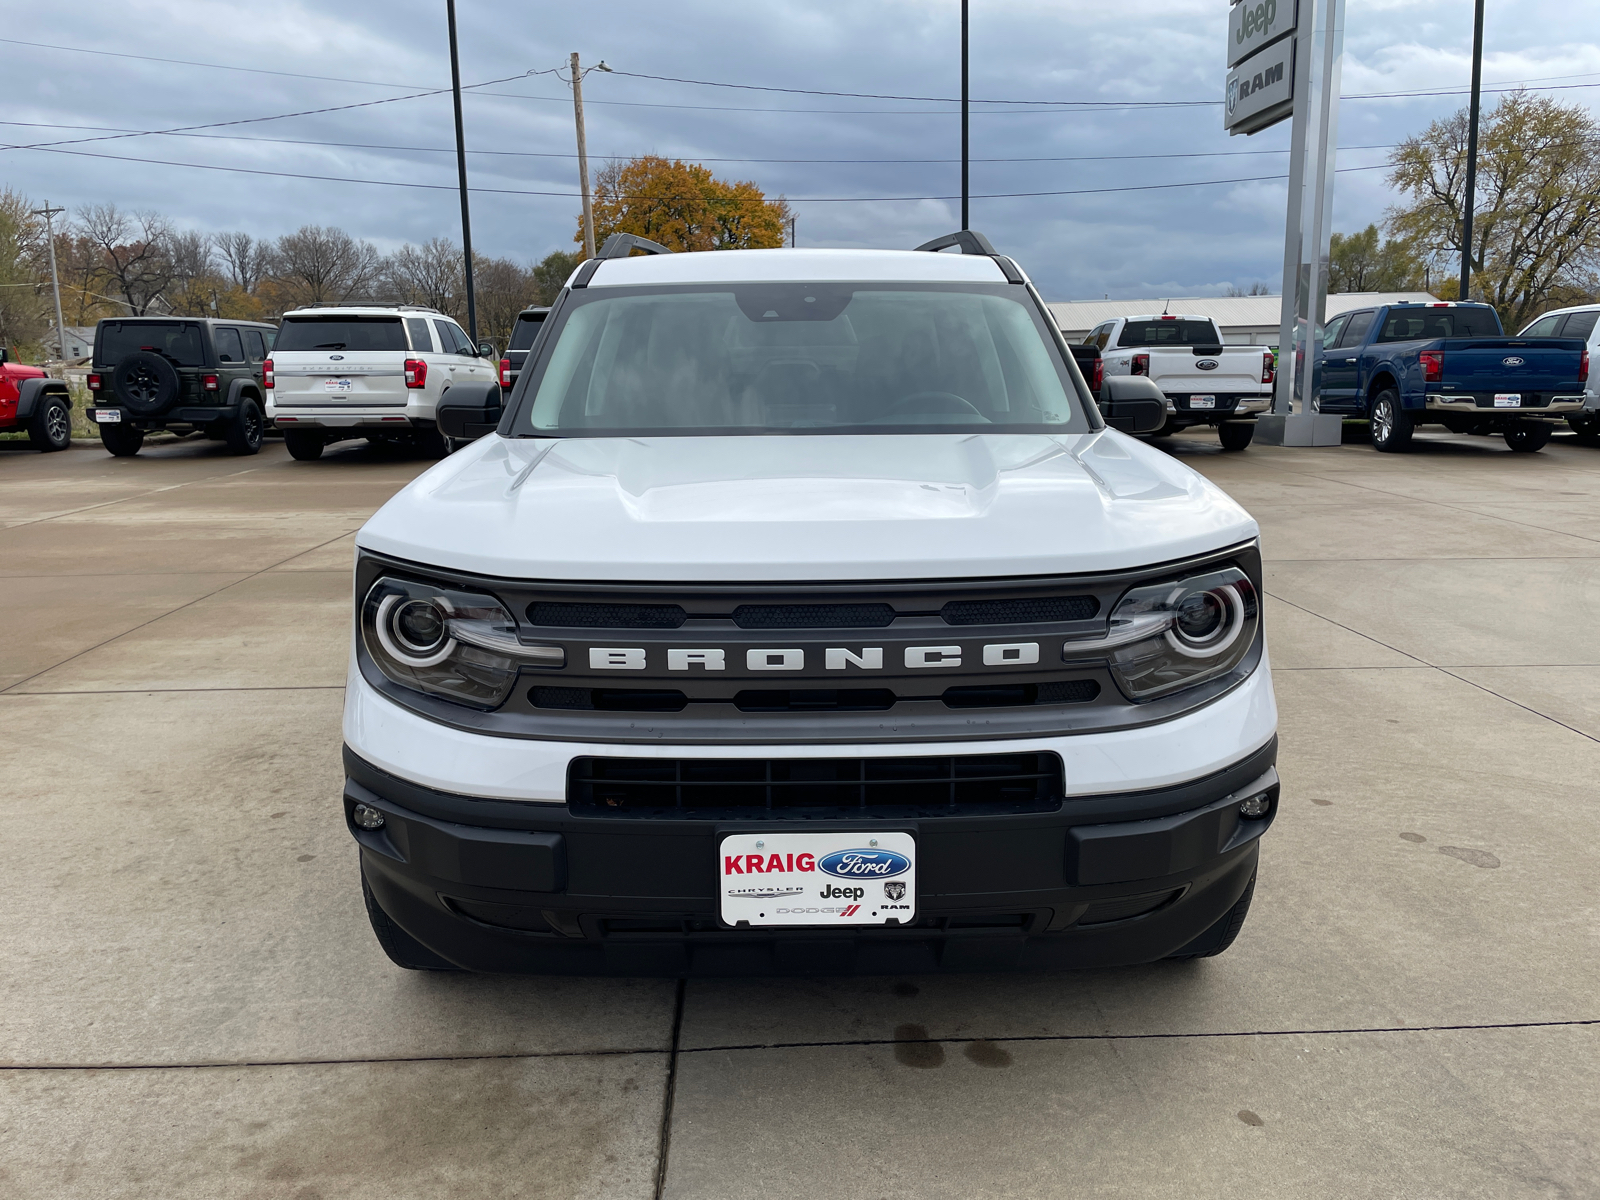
1253	24
1260	89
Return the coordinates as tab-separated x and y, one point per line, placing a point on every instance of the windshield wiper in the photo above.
329	346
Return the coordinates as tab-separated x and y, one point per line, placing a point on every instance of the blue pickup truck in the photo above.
1402	365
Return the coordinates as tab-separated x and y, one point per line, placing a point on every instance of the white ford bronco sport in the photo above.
800	613
367	371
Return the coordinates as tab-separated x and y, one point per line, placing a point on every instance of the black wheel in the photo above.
1587	427
403	949
122	440
1236	435
1221	935
430	443
304	445
1526	437
1391	425
243	433
145	382
51	427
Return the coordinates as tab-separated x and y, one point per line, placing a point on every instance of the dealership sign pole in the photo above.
1284	60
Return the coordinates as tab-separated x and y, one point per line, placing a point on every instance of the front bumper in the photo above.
505	886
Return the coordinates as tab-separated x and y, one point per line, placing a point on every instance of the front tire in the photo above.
1222	934
122	440
1236	435
1527	437
1391	425
403	949
51	427
243	433
303	445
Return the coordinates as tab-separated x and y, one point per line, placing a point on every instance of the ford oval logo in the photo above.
1207	364
336	357
1513	361
864	864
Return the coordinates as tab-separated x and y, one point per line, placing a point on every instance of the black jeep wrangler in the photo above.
187	374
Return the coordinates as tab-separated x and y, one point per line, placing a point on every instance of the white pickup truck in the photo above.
1205	382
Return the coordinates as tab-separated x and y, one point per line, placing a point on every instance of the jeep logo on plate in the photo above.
1513	361
1206	364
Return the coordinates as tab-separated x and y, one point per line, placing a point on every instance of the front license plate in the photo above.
818	878
336	385
1202	401
1508	399
107	416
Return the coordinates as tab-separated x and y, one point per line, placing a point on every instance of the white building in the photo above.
1244	320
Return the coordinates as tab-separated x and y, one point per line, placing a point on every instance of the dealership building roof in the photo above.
1244	320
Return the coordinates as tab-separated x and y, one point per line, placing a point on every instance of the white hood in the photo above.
811	508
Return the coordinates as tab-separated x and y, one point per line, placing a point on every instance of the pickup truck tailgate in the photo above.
1177	372
1546	366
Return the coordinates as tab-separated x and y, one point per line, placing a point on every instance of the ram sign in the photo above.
1260	89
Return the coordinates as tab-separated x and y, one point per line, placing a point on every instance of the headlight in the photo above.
446	642
1167	636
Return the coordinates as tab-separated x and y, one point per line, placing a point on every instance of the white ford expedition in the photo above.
1205	382
368	371
802	614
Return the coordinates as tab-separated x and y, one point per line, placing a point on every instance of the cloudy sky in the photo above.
860	171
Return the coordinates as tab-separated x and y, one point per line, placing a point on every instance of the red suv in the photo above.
30	400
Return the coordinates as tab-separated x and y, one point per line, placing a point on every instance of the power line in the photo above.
184	62
574	195
231	137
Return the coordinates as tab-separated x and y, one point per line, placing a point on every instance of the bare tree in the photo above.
503	290
245	260
195	283
324	265
429	274
134	252
23	309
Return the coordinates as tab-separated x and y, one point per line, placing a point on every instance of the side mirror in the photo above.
469	410
1133	404
5	355
485	349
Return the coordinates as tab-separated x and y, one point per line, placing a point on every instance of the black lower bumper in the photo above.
186	414
1107	880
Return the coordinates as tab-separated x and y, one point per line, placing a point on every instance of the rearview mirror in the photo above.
469	410
1133	404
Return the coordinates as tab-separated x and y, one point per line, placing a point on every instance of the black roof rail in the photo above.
973	242
970	241
620	245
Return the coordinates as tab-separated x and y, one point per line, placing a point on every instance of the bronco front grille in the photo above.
800	788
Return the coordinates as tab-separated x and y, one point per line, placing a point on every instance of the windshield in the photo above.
799	358
1168	332
177	341
1417	324
341	333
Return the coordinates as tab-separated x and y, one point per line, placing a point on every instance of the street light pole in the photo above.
583	158
964	222
55	282
1472	151
461	169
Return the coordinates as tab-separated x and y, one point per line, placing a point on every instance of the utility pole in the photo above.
48	214
461	169
583	158
964	223
791	233
1472	151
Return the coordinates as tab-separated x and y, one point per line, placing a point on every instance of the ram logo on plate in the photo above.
864	864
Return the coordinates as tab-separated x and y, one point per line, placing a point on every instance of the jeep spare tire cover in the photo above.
145	382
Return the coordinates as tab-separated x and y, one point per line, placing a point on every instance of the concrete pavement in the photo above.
192	1004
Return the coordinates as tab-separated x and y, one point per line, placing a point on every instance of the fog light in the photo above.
1254	806
367	817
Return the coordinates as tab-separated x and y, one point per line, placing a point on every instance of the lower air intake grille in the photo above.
821	788
1124	907
812	616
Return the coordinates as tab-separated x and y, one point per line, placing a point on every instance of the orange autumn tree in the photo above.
684	207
